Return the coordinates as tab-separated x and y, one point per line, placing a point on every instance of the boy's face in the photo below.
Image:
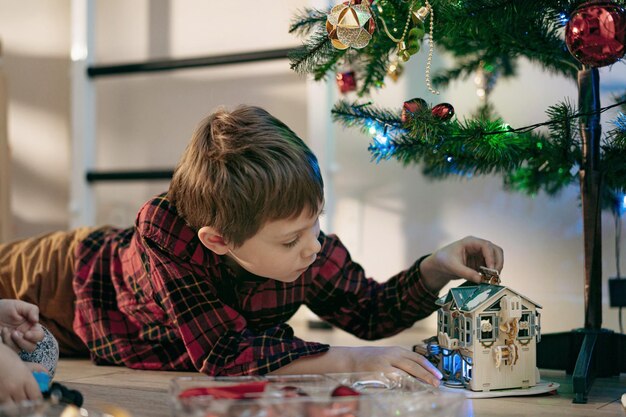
282	249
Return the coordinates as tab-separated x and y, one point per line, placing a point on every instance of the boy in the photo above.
212	270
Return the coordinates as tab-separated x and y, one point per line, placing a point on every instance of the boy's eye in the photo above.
292	243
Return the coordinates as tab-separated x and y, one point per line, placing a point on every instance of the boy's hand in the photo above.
17	382
365	359
390	359
19	325
460	260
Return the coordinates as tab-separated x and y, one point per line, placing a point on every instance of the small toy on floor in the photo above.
57	393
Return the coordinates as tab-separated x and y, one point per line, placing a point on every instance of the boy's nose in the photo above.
312	248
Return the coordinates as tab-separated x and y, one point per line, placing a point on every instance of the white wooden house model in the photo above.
486	338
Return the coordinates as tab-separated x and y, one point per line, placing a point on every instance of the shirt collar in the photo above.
159	222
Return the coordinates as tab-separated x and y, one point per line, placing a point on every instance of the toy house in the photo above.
486	338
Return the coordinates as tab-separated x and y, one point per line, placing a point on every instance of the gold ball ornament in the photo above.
350	25
395	70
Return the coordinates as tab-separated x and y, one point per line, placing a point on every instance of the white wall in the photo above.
387	214
36	40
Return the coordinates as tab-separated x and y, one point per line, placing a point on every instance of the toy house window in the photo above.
487	327
457	362
452	364
525	326
468	331
461	322
537	326
447	361
467	368
440	320
445	326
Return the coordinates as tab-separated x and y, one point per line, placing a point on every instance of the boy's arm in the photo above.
219	342
340	359
340	292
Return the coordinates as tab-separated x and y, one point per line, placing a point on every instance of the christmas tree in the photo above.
487	38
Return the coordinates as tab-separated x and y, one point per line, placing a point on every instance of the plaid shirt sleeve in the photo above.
341	294
217	337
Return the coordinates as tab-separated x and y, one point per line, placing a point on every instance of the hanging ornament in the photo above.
485	80
414	39
412	35
596	33
395	70
443	111
350	25
346	81
410	107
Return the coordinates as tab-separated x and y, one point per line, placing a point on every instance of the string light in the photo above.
620	121
382	137
383	145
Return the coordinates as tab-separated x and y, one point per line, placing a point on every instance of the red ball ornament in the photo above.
409	108
443	111
596	33
346	81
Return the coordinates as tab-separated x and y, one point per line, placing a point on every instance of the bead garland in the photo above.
431	47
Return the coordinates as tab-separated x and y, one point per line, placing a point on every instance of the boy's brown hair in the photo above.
242	169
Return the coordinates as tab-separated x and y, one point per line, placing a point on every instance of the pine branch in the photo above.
359	114
375	72
307	21
315	52
529	162
614	167
463	70
494	30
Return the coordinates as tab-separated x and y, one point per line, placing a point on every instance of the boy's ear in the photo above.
213	240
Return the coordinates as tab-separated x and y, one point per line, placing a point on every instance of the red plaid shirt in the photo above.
153	297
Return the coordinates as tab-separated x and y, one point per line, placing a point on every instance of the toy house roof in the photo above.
469	296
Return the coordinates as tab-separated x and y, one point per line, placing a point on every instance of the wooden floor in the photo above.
145	393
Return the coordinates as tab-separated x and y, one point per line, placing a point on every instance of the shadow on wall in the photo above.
28	228
41	83
39	200
147	120
38	100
